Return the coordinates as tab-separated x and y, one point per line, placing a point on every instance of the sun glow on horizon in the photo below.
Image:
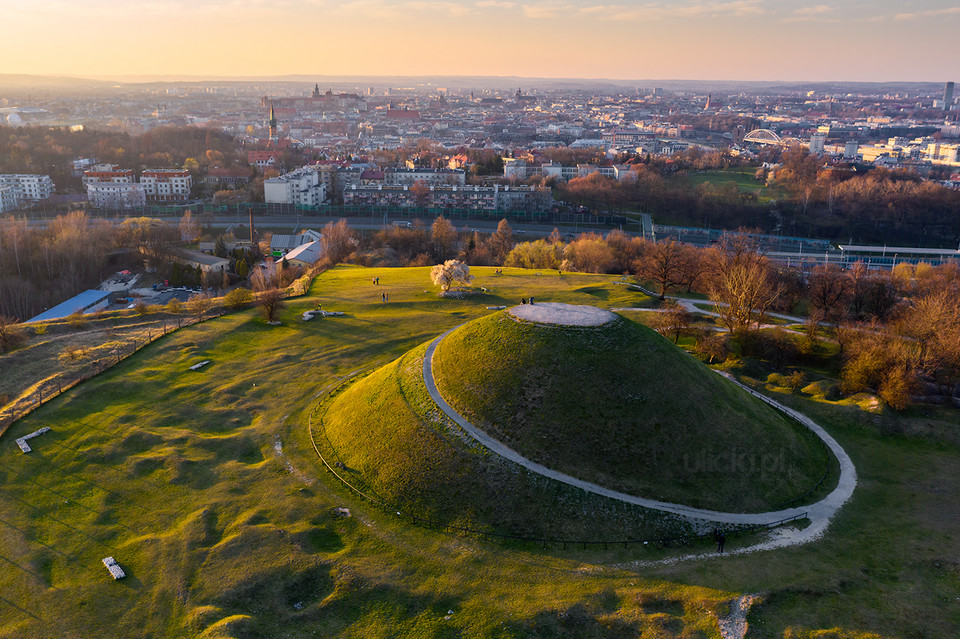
697	39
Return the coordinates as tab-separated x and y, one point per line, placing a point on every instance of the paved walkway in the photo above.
690	304
819	513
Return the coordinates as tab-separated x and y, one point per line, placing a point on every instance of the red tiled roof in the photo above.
402	114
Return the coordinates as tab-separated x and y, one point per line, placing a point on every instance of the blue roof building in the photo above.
86	302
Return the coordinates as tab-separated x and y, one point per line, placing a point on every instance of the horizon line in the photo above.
170	77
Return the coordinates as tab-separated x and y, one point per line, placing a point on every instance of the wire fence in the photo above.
487	535
52	388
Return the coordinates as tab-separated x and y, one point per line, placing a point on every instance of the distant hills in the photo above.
47	83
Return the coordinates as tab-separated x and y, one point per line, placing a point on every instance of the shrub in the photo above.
774	346
794	381
77	320
11	334
712	345
238	298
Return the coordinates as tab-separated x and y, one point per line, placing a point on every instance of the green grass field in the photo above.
742	177
206	489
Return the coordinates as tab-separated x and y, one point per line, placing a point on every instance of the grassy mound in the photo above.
622	407
393	442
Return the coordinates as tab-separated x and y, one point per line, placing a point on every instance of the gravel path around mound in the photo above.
819	513
562	314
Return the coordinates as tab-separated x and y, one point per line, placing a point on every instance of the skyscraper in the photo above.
947	95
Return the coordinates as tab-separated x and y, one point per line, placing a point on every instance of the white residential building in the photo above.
116	195
302	187
514	168
817	143
8	199
943	153
408	177
108	173
29	188
167	185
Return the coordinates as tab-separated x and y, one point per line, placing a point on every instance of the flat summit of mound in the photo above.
562	314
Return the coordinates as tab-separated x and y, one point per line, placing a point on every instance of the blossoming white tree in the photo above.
449	273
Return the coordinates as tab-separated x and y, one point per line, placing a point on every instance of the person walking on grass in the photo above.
721	539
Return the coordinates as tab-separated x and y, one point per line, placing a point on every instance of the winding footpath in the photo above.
819	513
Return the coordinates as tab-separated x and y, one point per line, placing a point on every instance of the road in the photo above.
372	223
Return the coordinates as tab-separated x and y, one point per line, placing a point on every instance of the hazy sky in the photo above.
689	39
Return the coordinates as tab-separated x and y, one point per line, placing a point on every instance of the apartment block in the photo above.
167	185
116	195
303	187
28	188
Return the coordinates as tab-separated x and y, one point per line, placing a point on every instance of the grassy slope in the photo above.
388	434
236	543
621	406
61	351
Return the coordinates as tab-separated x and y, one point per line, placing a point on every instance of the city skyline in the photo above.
747	40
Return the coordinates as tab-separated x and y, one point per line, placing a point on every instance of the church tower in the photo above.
273	126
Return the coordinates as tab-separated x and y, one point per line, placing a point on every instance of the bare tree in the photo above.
13	233
338	241
741	283
673	321
663	263
589	253
693	266
270	301
421	193
859	278
829	291
444	238
198	305
932	324
501	242
189	228
268	296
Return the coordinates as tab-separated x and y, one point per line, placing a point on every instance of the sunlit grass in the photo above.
205	488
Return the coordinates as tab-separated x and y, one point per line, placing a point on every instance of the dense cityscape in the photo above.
370	147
